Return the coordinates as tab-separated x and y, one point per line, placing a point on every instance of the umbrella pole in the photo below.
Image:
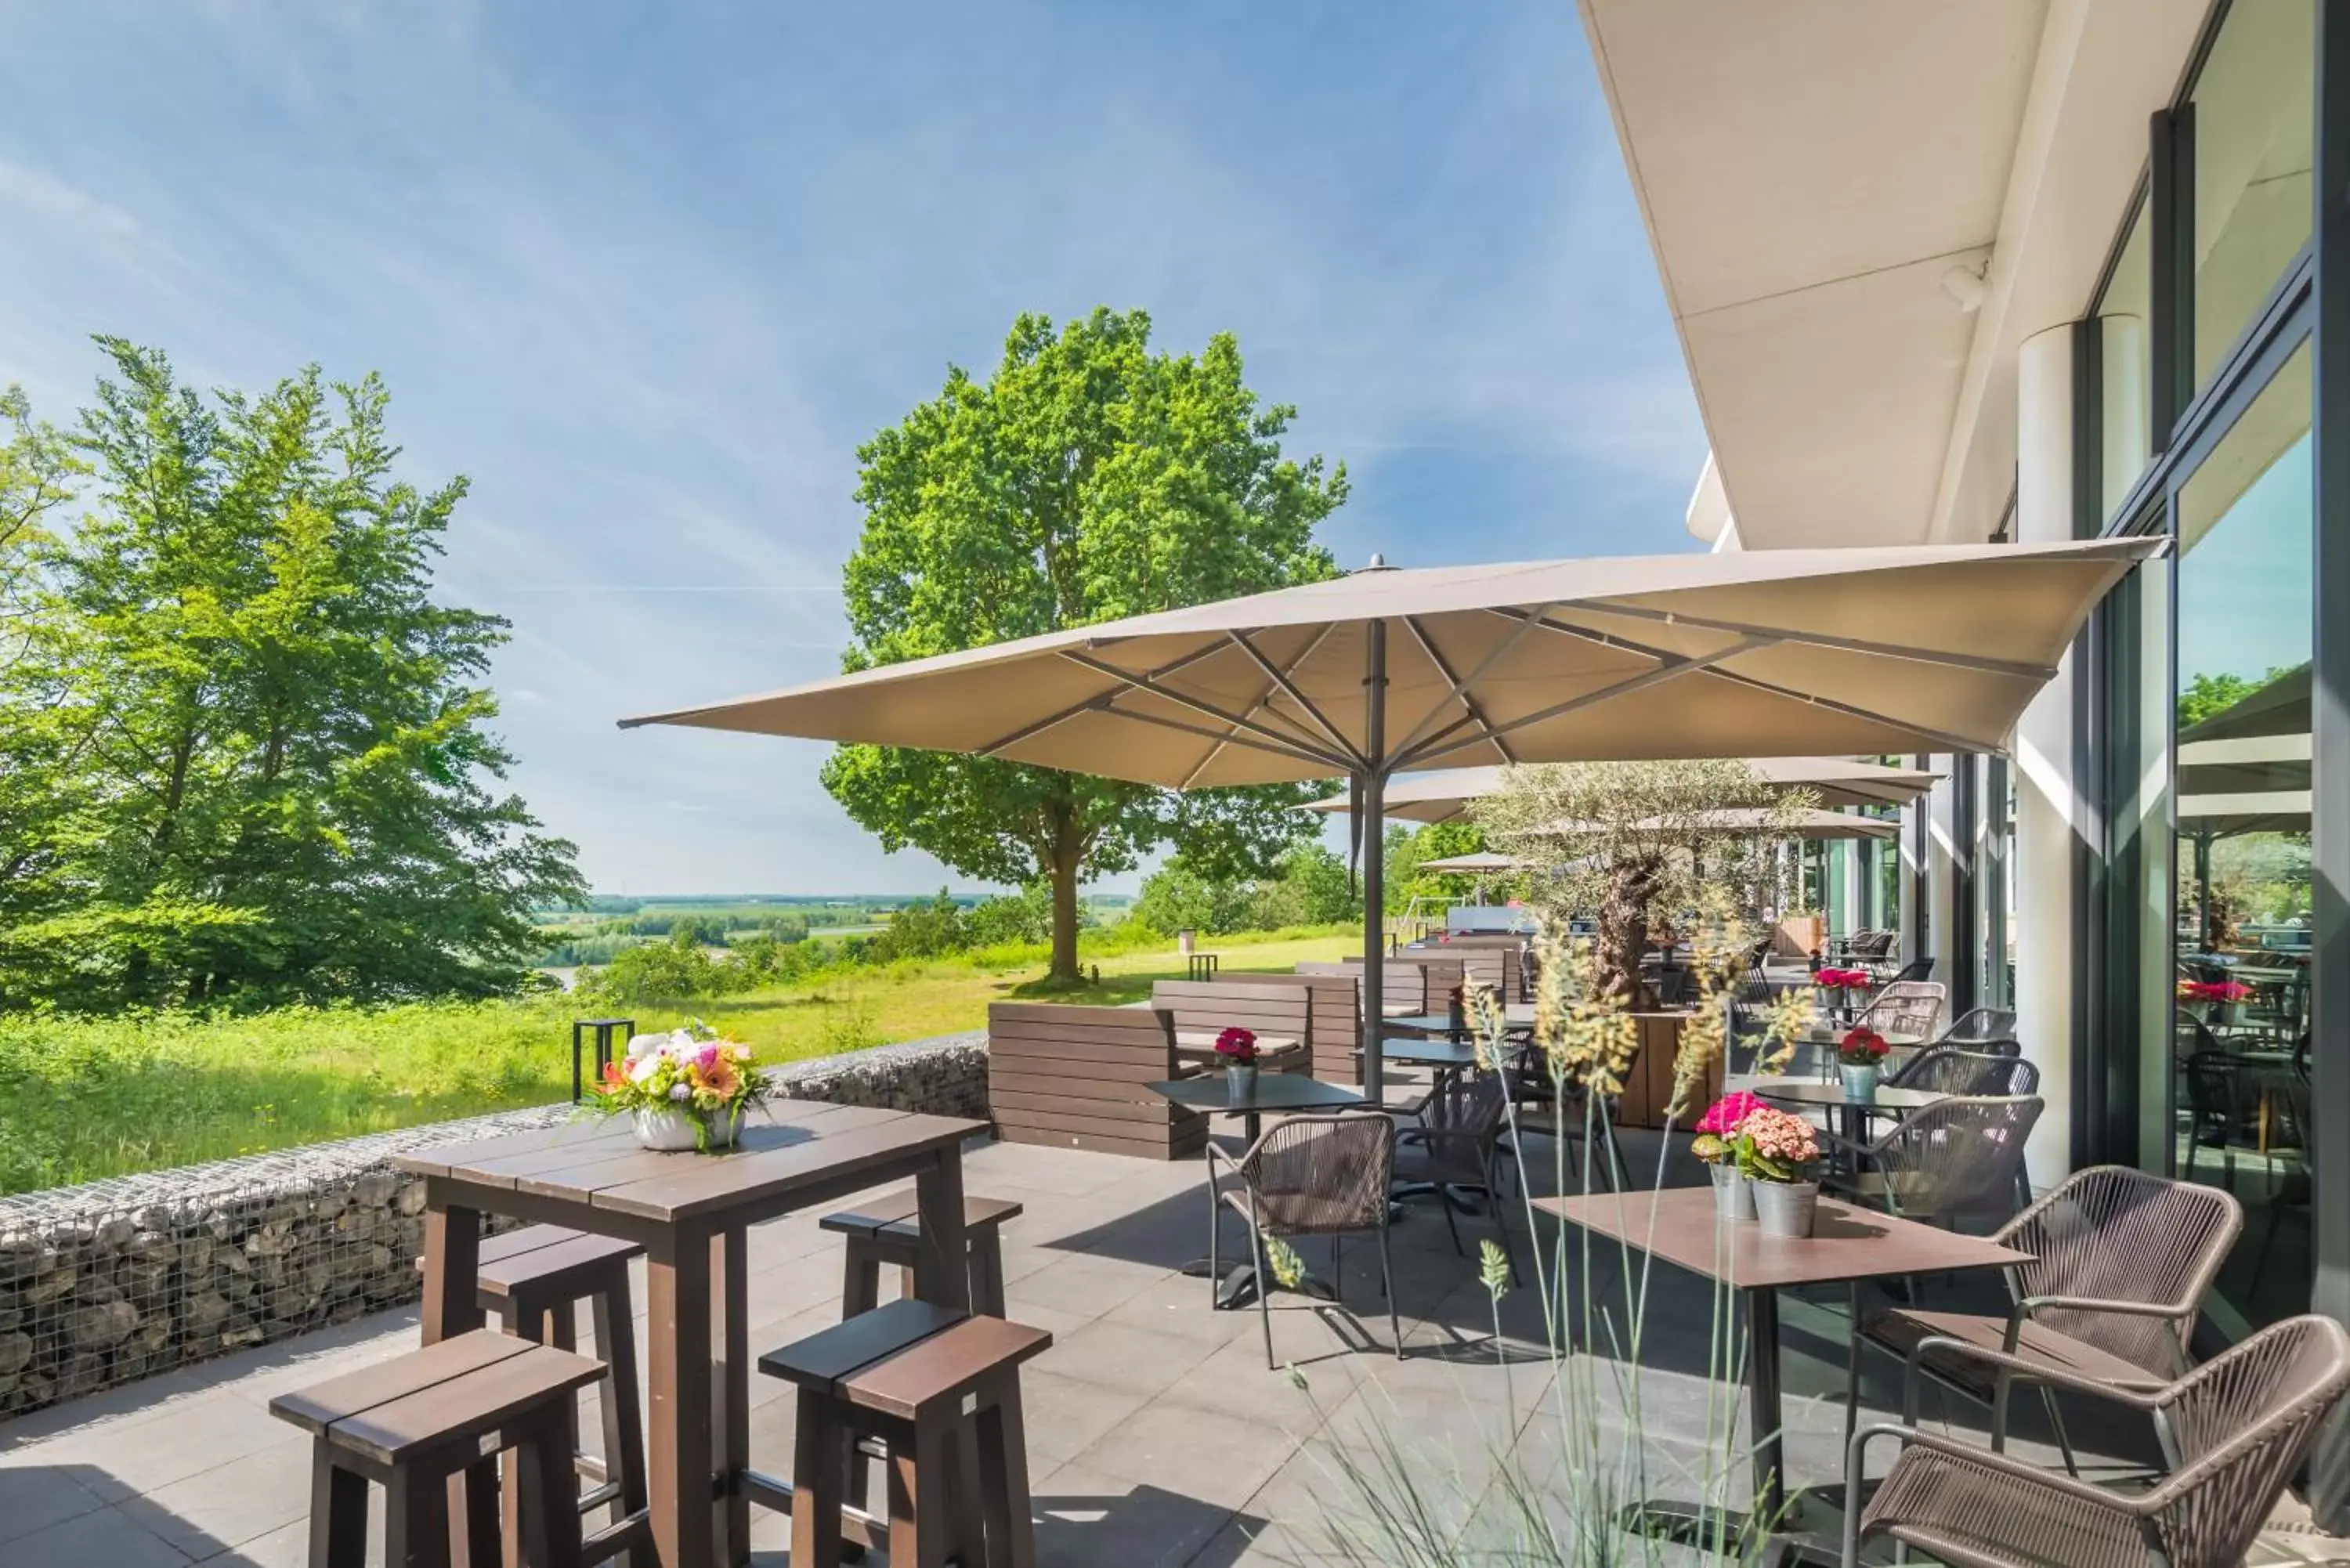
1373	782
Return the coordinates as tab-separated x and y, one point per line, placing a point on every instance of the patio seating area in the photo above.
1155	1434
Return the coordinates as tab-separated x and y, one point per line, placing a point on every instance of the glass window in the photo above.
2126	375
2254	135
2241	920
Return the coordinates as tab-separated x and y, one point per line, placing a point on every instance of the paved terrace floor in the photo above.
1155	1434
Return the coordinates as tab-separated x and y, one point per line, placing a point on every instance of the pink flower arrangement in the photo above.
1237	1045
1725	1115
1842	979
2215	991
1774	1145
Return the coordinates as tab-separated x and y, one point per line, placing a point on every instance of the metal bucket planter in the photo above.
1733	1195
1786	1208
1859	1081
1240	1084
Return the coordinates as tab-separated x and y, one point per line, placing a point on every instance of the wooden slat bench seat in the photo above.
1333	1028
412	1423
1281	1016
1074	1077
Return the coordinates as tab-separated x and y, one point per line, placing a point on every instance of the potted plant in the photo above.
1716	1144
1776	1152
1237	1046
2216	1001
1841	984
688	1089
1456	1010
1859	1055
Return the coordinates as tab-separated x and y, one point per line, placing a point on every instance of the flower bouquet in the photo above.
1716	1144
2215	1000
1237	1046
1841	984
685	1090
1859	1054
1775	1154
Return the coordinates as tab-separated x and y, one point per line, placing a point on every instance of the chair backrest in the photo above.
1415	983
2112	1234
1272	1011
1321	1174
1958	1156
1495	961
1980	1024
1908	1007
1074	1076
2243	1422
1950	1070
1335	1019
2214	1091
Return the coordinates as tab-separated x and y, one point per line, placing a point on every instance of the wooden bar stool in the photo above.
933	1386
417	1421
533	1280
885	1230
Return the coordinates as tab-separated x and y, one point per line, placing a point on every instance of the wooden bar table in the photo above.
689	1211
1846	1246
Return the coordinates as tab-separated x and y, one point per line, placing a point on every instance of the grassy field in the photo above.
99	1097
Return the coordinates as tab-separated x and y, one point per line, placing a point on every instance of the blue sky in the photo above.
649	273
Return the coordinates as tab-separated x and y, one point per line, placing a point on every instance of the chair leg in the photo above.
918	1514
624	1420
822	1447
1004	1457
2063	1439
550	1500
416	1519
1264	1292
1215	1260
1852	1365
1387	1289
2002	1391
987	1274
338	1513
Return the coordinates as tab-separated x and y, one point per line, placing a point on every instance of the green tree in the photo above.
1180	896
1088	479
283	777
2207	695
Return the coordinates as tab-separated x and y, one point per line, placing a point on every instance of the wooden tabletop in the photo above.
788	1144
1680	1226
1273	1092
1806	1092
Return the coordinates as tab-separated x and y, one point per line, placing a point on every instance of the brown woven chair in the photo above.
2237	1427
2121	1262
1906	1007
1309	1175
1993	1067
1956	1157
1457	1143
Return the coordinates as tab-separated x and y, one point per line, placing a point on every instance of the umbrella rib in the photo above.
1948	741
1674	665
1091	704
1144	682
1296	753
2018	669
1459	687
1279	678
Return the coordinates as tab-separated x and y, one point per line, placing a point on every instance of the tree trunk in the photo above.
1067	852
1624	931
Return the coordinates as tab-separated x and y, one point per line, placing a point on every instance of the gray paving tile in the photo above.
1116	1357
110	1537
33	1497
1065	1416
233	1503
1086	1517
1216	1459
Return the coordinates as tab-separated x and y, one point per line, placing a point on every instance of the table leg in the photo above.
942	1262
730	1266
678	1414
1762	1406
453	1254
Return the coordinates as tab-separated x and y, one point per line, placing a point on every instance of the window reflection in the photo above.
2241	924
2126	373
2254	136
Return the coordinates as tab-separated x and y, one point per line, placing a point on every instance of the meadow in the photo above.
95	1097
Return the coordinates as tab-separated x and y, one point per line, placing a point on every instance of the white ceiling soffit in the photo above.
1810	171
1818	178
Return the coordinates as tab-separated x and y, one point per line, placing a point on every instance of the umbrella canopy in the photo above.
1774	652
1481	863
1731	822
1443	793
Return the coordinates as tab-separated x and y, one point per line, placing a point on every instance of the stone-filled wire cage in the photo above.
118	1280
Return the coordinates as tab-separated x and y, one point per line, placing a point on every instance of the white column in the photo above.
1940	879
2050	810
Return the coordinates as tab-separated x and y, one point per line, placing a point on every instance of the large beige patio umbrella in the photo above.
1442	793
1769	653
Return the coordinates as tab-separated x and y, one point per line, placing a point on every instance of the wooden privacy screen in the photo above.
1074	1077
1417	983
1334	1030
1497	962
1648	1085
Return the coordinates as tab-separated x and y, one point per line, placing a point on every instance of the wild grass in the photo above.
85	1098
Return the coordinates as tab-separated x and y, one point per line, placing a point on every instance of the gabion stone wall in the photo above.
118	1280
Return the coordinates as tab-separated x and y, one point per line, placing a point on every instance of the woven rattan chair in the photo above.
2235	1428
1906	1007
2121	1262
1456	1144
1979	1026
1309	1175
1956	1157
2217	1097
1950	1070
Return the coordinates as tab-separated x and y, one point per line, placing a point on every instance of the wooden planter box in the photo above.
1799	936
1648	1084
1072	1077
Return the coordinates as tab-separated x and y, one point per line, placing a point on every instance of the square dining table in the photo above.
1848	1245
691	1212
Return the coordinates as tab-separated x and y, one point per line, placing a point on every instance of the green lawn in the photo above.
88	1098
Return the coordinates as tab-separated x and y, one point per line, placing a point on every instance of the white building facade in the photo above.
2046	269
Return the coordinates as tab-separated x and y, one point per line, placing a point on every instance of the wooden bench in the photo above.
418	1422
1497	962
1072	1077
1415	983
1281	1016
932	1385
1334	1030
885	1230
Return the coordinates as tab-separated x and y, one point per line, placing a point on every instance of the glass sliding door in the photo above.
2239	924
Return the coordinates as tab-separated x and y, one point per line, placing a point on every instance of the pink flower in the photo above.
1725	1114
1237	1044
1779	1138
707	1057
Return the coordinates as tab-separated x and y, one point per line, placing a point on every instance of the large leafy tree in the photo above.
1089	478
284	786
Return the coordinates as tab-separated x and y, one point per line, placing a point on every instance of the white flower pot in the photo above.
1786	1208
675	1130
1733	1195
